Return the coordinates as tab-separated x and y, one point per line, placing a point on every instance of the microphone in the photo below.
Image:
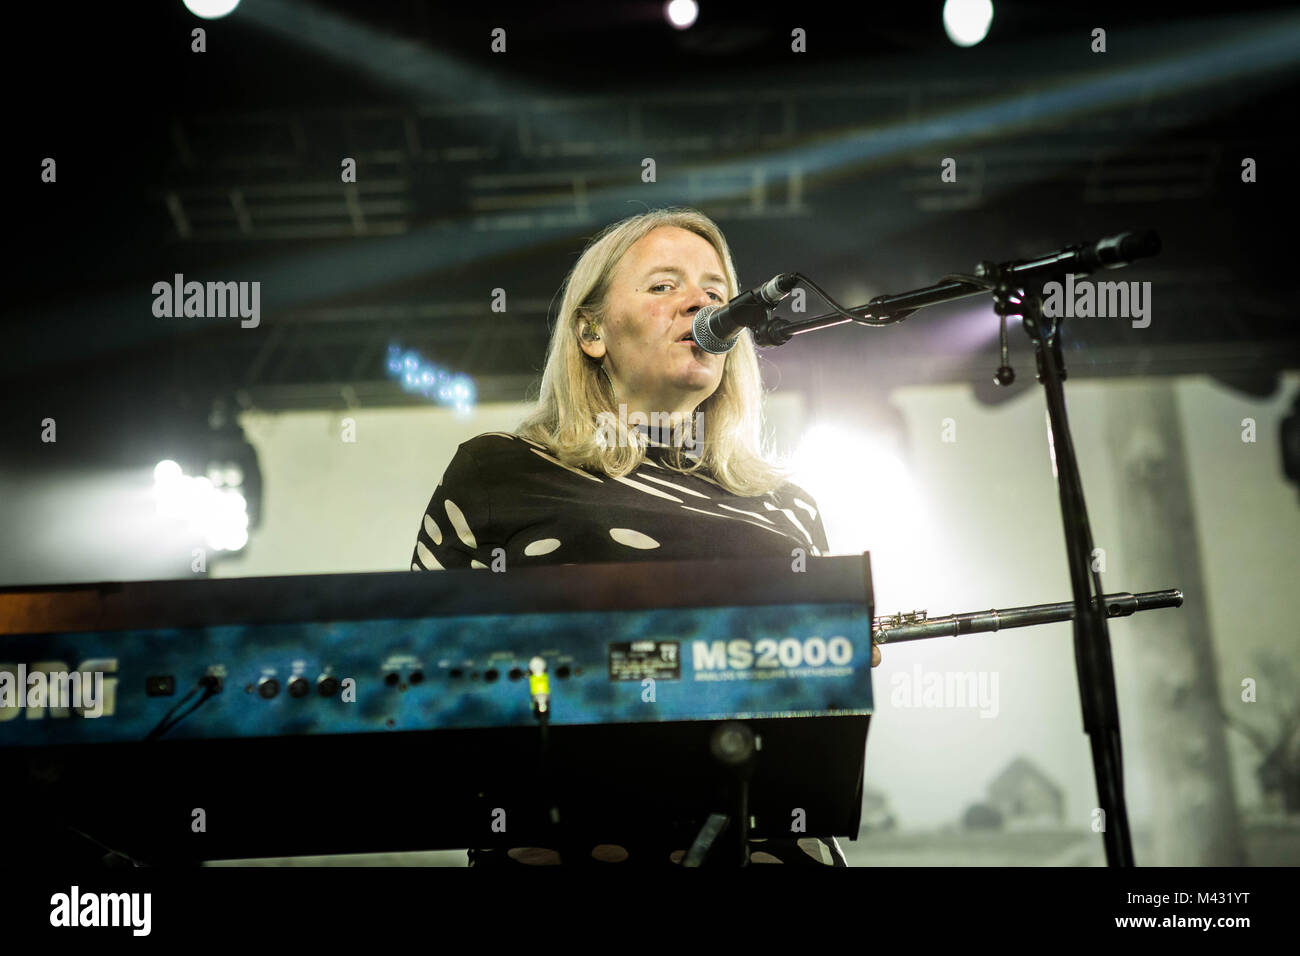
1116	251
717	328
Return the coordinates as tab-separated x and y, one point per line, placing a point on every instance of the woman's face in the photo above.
658	286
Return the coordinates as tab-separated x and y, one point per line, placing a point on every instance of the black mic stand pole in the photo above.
1092	656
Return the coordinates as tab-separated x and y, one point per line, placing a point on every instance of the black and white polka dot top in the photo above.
502	491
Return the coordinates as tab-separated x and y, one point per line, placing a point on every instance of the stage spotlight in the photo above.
681	13
210	9
219	515
433	382
208	479
226	474
967	21
165	472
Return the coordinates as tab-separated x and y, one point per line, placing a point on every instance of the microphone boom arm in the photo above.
1081	259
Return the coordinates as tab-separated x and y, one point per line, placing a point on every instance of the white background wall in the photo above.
988	534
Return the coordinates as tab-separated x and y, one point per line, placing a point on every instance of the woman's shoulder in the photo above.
790	489
493	463
791	494
502	453
499	443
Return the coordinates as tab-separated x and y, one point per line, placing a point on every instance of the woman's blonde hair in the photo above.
575	391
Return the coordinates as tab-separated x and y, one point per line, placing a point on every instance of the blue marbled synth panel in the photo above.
702	663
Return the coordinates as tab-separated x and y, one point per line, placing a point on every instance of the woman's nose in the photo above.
698	300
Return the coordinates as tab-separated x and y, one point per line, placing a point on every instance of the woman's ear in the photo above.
591	341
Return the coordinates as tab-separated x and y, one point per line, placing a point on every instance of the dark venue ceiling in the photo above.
479	171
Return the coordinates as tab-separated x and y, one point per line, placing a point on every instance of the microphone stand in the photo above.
1007	281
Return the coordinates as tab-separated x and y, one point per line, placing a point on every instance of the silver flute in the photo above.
915	625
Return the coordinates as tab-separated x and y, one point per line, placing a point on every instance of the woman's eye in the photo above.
662	285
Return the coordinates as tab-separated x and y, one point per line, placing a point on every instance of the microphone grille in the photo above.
704	336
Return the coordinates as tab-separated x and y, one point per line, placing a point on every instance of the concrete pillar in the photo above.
1195	818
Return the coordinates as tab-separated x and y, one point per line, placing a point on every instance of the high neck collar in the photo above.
662	437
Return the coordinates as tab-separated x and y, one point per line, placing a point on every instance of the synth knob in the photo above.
268	687
298	687
327	686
